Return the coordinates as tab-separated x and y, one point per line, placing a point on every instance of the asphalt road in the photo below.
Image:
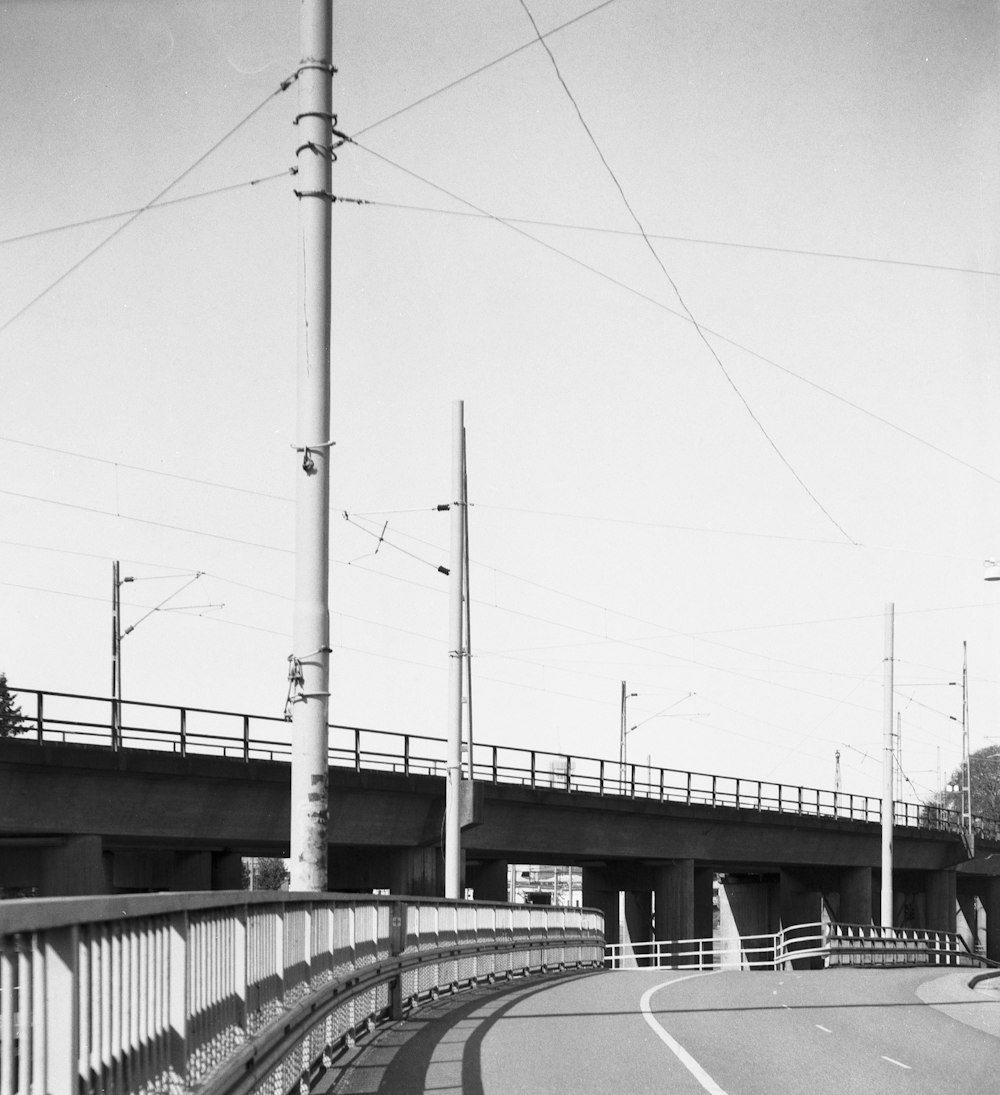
843	1032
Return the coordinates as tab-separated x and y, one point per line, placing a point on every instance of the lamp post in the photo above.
661	714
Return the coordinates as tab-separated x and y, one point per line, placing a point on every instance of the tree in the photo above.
11	720
264	874
984	770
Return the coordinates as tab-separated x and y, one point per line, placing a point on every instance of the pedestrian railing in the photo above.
758	952
235	992
814	945
873	945
68	718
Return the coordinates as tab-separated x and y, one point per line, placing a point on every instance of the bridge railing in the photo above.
242	992
820	944
54	717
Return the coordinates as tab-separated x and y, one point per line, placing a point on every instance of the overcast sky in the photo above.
721	509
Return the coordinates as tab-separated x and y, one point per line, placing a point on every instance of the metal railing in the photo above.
820	943
63	717
242	992
873	945
757	952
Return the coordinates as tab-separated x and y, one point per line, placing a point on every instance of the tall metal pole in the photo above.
452	822
966	757
116	653
887	772
467	646
311	628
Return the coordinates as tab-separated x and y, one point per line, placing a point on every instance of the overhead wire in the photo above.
148	207
285	84
674	286
701	241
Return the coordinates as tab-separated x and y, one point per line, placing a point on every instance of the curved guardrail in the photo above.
64	717
232	993
823	945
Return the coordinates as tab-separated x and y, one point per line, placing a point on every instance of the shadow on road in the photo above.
436	1048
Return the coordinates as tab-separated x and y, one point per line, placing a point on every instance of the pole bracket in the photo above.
308	464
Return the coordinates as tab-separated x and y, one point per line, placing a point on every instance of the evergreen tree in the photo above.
984	768
267	874
11	719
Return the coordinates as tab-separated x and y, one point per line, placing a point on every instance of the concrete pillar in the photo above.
673	889
800	904
991	900
598	895
417	872
704	911
226	870
940	900
639	920
76	868
968	922
855	895
488	880
192	871
748	909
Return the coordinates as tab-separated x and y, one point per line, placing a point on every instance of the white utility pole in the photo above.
969	836
452	820
887	772
310	662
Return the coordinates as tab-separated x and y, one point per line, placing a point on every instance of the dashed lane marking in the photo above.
893	1061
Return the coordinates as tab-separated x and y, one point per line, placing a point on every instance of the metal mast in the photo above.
887	773
309	672
452	820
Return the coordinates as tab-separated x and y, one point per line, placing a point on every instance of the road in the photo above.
843	1032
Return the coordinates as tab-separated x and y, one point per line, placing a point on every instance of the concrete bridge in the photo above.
152	797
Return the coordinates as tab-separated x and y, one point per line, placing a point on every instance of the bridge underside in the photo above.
140	821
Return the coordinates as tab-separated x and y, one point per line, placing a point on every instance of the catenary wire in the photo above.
735	343
285	84
676	288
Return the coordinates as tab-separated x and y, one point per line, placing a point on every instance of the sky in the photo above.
716	282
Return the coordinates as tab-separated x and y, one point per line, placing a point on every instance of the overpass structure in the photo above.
154	797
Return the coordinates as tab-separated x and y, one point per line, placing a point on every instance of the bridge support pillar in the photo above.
968	921
227	873
855	895
940	901
417	872
597	894
639	919
488	880
748	909
75	869
991	900
683	902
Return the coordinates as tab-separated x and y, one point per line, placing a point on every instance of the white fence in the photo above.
820	945
241	992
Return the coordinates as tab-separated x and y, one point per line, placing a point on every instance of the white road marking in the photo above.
893	1061
674	1046
826	1029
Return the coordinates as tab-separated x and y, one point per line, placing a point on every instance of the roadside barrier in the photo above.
237	992
801	946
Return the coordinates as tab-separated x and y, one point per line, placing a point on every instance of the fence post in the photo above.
569	783
175	973
406	754
397	944
357	750
39	720
600	779
246	737
532	767
495	765
183	712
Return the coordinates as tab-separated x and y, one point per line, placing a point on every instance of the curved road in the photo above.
846	1032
